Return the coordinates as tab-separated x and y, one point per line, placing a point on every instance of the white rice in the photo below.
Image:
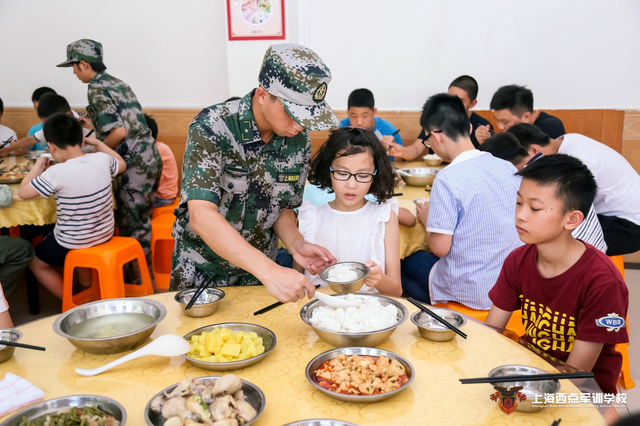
341	274
369	316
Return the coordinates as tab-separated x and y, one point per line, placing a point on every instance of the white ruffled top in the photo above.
356	236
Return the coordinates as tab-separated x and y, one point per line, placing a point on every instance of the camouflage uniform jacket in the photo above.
227	163
113	104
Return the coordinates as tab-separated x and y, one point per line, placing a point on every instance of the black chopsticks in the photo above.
22	345
556	422
436	316
273	306
197	294
395	133
398	194
528	378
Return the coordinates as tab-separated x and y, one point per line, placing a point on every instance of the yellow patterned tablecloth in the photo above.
40	211
435	397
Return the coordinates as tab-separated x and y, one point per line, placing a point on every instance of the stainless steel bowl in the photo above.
321	422
116	344
253	394
206	304
438	332
418	176
346	286
268	338
530	389
369	338
317	362
432	162
54	405
10	335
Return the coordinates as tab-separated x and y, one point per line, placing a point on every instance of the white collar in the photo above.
467	155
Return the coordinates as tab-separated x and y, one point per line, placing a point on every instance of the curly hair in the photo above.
349	141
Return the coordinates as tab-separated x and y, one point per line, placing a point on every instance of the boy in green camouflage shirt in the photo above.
119	122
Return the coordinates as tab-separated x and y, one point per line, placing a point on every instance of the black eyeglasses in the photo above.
359	177
425	140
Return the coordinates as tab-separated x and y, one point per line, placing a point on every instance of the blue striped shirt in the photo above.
82	190
474	200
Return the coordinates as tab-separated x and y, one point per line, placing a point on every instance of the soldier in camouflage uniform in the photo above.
119	121
244	172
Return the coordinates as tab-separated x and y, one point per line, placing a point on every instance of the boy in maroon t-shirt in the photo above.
572	298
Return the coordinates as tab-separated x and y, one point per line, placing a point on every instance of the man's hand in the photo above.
86	122
312	257
387	141
375	274
396	150
422	212
286	284
483	133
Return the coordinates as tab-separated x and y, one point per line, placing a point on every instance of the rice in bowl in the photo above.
369	316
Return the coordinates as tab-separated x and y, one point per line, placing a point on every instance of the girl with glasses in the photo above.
352	163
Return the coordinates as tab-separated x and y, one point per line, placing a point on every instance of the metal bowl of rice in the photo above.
345	277
378	315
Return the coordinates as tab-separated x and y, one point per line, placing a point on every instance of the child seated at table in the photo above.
81	186
469	219
361	111
35	98
7	135
572	297
5	318
168	188
353	163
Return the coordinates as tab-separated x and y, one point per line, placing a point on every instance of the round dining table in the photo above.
435	397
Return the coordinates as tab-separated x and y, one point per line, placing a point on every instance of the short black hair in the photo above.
446	113
348	141
152	125
468	84
1	107
97	66
63	131
528	134
37	94
575	184
361	98
506	147
517	99
51	103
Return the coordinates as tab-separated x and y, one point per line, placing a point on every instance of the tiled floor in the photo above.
50	305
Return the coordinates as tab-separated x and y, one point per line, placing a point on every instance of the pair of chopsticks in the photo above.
395	133
197	294
7	142
437	317
556	422
22	345
528	378
273	306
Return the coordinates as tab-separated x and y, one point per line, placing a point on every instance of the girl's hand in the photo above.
375	274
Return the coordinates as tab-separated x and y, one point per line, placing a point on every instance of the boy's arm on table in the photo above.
5	320
19	146
498	317
408	153
27	191
584	354
388	283
439	244
103	147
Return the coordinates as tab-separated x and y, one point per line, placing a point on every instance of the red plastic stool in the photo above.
106	260
162	249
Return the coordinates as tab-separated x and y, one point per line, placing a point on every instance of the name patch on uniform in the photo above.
288	177
613	322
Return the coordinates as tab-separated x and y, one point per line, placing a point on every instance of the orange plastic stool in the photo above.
162	249
625	374
168	209
514	324
107	260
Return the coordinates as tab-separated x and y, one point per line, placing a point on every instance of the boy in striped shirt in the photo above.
81	186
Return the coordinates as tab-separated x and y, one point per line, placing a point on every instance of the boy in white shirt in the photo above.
7	135
617	202
469	219
81	185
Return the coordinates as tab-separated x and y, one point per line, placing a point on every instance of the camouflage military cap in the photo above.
299	78
83	50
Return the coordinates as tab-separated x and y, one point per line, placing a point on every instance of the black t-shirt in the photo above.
476	121
550	124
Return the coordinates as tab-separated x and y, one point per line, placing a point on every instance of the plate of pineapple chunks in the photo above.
229	346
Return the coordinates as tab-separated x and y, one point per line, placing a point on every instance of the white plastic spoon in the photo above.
167	345
334	302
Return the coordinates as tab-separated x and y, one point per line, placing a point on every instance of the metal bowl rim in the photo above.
342	351
231	363
303	422
19	414
219	292
62	316
540	371
404	312
259	412
322	273
433	171
416	313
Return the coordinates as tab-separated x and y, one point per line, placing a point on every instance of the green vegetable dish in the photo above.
85	416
